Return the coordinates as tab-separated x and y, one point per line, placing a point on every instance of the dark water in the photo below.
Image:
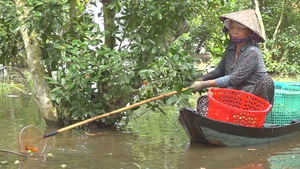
154	141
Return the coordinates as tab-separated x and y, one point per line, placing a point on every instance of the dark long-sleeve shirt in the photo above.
241	74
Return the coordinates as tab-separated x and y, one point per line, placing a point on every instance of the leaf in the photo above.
172	100
154	50
37	13
51	80
90	71
178	87
153	13
2	32
74	52
97	105
66	59
159	16
71	86
151	41
127	77
56	89
58	100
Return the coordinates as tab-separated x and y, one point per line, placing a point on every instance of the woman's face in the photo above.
238	31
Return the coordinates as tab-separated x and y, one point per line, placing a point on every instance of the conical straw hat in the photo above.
247	18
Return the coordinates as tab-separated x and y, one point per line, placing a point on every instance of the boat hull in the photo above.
201	129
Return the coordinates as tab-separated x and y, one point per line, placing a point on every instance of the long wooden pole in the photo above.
113	112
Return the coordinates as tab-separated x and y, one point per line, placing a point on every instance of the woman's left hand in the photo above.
199	85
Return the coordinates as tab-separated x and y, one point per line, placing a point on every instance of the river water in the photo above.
153	141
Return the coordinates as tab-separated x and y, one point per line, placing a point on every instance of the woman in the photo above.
243	67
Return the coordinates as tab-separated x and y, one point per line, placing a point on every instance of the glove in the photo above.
199	85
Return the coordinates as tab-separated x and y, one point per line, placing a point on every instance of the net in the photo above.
31	140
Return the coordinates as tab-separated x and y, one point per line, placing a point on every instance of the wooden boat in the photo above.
204	130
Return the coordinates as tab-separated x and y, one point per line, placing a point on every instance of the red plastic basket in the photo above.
238	107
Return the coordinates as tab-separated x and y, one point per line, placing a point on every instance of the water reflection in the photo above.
266	156
153	141
286	159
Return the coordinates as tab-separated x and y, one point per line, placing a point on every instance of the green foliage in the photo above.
13	80
10	41
9	88
283	57
114	81
92	79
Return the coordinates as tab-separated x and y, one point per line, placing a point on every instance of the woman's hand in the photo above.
199	85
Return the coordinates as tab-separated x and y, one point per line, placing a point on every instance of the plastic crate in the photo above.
281	85
286	106
238	107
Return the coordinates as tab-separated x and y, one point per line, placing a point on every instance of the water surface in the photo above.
153	141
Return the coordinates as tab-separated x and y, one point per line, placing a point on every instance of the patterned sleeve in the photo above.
223	81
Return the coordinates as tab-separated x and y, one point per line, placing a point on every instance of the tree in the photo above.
34	61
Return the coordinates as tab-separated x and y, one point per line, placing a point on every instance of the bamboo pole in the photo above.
113	112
